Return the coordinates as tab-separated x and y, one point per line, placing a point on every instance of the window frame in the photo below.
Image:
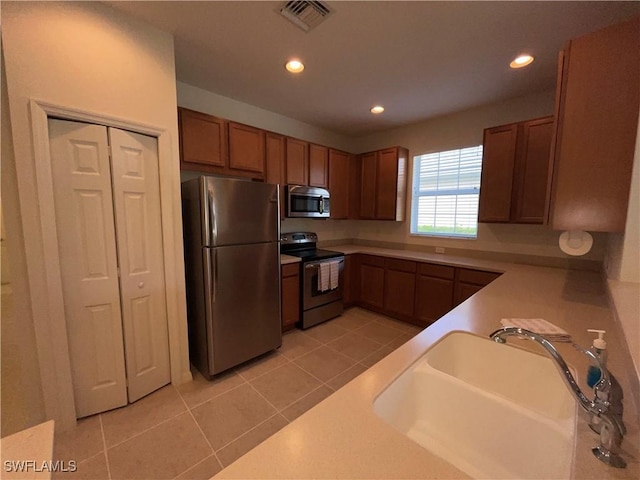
416	194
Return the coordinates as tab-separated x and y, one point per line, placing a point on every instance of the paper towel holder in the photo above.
575	242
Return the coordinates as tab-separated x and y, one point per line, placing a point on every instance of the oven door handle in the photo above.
314	265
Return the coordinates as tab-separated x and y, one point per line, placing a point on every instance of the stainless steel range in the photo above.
321	297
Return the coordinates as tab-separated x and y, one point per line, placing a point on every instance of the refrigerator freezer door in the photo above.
242	303
238	212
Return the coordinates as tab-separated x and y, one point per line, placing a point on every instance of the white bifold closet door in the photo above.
108	218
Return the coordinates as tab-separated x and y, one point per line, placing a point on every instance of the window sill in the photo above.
443	235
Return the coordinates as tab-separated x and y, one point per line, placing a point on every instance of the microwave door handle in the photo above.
321	204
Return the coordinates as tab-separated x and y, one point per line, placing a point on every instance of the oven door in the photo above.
311	296
307	202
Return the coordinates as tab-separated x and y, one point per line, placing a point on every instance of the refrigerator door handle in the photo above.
209	298
210	277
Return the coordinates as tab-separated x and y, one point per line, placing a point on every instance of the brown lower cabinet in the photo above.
399	287
434	292
469	282
350	280
416	292
371	280
290	295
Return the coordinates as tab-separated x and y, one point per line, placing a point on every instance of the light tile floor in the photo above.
196	429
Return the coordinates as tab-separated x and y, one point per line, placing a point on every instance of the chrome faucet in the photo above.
610	427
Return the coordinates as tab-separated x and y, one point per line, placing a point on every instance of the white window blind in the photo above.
446	187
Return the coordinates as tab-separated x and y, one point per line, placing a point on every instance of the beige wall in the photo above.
447	132
623	258
88	57
623	267
21	389
459	130
225	107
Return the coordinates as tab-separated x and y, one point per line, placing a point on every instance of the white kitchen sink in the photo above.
491	410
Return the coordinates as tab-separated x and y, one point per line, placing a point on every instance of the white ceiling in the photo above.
419	59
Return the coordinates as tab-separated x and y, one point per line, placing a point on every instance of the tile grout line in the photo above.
215	396
261	395
146	430
253	428
195	465
265	372
203	435
104	444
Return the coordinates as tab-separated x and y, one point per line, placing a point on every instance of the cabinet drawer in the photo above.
372	260
400	265
290	270
476	277
438	271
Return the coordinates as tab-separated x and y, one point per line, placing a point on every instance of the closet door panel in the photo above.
136	191
88	264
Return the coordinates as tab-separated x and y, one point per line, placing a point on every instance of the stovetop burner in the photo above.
303	245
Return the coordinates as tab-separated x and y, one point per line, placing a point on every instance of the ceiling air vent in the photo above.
306	14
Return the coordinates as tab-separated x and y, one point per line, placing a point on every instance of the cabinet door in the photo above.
348	297
386	184
498	157
597	121
290	295
246	150
297	162
469	281
368	185
339	183
399	287
434	298
203	139
318	166
274	164
355	174
463	291
371	274
532	171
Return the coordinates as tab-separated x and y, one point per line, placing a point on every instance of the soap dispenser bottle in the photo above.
600	346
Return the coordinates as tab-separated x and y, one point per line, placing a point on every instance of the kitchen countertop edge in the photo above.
342	437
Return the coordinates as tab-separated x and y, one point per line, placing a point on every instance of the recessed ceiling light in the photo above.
294	66
377	109
521	61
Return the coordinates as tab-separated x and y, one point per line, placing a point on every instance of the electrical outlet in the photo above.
439	249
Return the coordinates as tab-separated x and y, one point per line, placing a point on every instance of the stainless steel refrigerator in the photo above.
232	266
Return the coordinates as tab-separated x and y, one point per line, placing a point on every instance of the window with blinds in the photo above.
446	188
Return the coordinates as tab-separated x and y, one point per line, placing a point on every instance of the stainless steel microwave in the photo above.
305	201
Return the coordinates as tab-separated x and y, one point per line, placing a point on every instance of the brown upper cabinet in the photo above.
203	140
597	105
297	162
214	145
515	172
383	183
339	166
246	149
275	151
318	166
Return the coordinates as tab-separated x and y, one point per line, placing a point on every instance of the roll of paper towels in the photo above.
576	242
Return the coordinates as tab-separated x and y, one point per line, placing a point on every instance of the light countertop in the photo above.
33	448
342	437
286	259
